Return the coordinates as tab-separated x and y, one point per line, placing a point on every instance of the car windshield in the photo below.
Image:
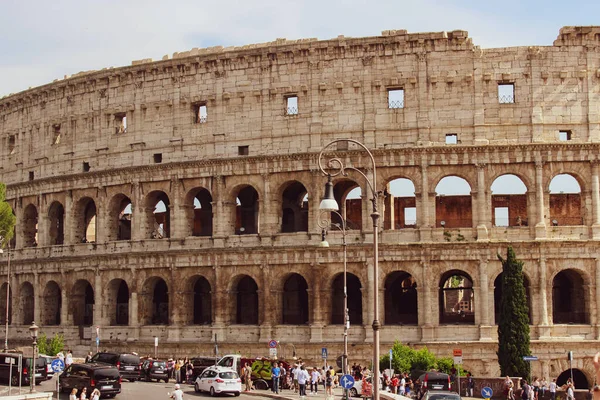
105	358
107	373
130	359
443	396
159	364
228	375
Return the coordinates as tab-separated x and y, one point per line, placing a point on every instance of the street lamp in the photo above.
329	204
33	331
324	224
7	292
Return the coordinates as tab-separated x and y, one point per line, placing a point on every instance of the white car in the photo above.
216	380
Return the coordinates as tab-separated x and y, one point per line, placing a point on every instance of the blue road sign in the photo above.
486	392
324	353
347	381
97	341
390	353
530	358
272	344
57	365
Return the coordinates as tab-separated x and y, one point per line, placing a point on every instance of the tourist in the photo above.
83	395
302	379
570	392
329	383
314	381
552	389
543	386
470	385
177	393
511	392
88	358
95	395
525	390
68	359
275	374
247	374
73	395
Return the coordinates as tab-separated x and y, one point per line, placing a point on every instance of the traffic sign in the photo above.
457	352
57	366
390	354
324	353
339	361
273	352
272	344
97	341
530	358
347	381
486	392
457	360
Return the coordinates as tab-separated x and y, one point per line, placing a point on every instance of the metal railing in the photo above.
291	111
506	99
395	104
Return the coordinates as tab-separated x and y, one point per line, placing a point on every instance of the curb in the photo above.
269	395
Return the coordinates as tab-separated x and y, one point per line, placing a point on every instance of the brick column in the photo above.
133	309
222	223
540	227
595	202
20	223
482	230
177	211
597	303
37	302
424	207
64	308
102	216
69	227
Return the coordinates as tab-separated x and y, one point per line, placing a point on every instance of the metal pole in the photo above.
7	300
346	314
33	362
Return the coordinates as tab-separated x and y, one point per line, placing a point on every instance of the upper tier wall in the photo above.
450	87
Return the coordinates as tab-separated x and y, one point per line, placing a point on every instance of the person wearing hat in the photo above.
178	393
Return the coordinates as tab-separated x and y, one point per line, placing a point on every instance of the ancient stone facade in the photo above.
179	199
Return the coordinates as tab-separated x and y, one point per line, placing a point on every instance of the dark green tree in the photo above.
7	219
513	324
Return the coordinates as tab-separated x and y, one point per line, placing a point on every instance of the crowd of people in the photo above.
298	378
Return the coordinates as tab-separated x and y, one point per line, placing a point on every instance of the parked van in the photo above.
9	369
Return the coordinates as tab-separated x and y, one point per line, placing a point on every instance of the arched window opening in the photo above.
509	201
85	217
400	205
56	221
158	215
160	303
30	226
349	198
246	302
51	304
27	303
202	302
82	303
401	299
579	379
120	214
118	300
568	298
498	296
3	289
565	201
457	304
453	203
294	209
202	213
354	300
295	301
246	221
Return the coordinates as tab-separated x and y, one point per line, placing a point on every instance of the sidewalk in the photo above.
337	393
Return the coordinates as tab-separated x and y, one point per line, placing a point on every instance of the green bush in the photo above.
52	347
407	359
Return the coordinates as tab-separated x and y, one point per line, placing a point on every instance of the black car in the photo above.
200	364
129	365
9	369
154	369
433	381
103	377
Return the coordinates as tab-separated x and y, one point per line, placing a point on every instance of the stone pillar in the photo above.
138	213
177	211
540	227
98	301
266	306
316	305
64	309
424	207
69	227
37	302
222	224
485	328
102	216
42	229
20	223
482	231
597	276
134	320
268	210
544	327
595	202
314	200
426	311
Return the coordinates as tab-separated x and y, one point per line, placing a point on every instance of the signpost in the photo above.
457	356
529	359
272	344
487	392
97	338
391	372
347	381
57	367
155	347
273	352
324	353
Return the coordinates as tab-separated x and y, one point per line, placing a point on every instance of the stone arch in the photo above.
294	208
158	215
120	214
453	203
579	378
84	215
569	305
155	297
81	302
400	204
295	300
509	201
244	297
354	293
3	290
457	305
199	212
246	211
56	224
51	304
30	226
498	296
27	303
566	200
118	302
401	306
350	205
201	301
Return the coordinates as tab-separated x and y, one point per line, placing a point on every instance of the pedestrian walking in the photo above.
83	395
314	381
247	373
177	393
552	389
68	359
275	374
95	395
73	395
303	377
470	385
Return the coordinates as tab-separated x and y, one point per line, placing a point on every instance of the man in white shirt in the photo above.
552	389
178	393
314	383
402	388
295	373
303	377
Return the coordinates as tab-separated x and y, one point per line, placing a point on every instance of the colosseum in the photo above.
179	199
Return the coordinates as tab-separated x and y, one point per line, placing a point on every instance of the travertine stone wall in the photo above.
65	144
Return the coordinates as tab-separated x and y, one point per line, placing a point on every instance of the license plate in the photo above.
106	387
231	383
160	371
437	387
129	368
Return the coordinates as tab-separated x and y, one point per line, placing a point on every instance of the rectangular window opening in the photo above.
452	138
410	216
55	134
31	175
291	105
564	136
395	98
86	166
200	113
501	216
506	93
12	142
243	150
157	158
120	123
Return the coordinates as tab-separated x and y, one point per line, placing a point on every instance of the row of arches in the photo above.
453	209
401	298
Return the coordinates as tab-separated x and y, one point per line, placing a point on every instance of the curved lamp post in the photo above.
7	291
337	167
33	331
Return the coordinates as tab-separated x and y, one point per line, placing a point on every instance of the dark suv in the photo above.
200	364
129	365
11	372
92	376
154	369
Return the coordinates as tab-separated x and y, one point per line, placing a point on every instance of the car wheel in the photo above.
158	381
212	391
237	394
14	380
353	392
196	388
167	380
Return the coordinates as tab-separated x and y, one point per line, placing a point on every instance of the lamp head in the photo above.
324	242
328	202
33	330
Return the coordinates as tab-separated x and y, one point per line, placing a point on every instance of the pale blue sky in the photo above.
45	40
